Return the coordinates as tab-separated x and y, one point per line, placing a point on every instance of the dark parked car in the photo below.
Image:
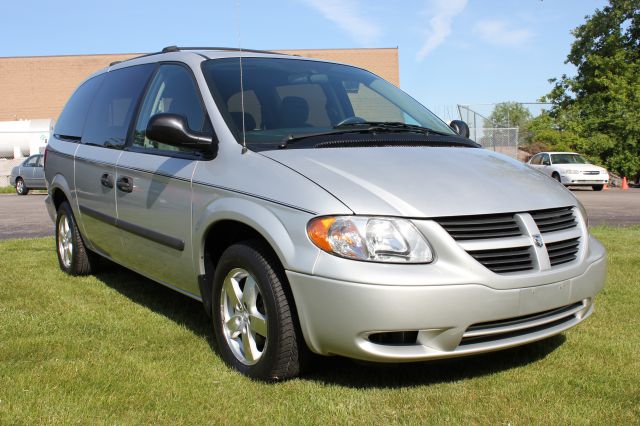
28	175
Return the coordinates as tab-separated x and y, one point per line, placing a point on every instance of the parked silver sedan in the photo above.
28	175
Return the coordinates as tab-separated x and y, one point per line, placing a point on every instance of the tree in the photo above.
600	105
508	114
542	134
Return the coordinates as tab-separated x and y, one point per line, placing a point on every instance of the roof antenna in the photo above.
244	140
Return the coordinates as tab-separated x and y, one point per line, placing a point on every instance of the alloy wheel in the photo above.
65	241
244	316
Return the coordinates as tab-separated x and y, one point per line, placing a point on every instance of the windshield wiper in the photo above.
395	125
365	127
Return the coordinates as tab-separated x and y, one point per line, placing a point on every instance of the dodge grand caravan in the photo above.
313	206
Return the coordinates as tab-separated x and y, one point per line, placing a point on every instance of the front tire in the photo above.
73	256
556	176
597	187
21	188
253	321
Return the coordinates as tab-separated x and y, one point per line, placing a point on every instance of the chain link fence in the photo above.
500	139
482	130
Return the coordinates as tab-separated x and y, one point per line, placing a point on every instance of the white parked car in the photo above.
570	168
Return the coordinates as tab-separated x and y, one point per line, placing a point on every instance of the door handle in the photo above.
106	180
125	184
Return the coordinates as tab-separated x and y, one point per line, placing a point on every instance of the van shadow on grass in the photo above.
330	370
167	302
357	374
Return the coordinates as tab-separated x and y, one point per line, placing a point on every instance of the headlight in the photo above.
583	212
572	172
373	239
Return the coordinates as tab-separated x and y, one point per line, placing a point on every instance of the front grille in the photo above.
480	227
563	251
505	260
551	220
520	326
484	237
591	173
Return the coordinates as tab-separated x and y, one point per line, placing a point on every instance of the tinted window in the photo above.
536	159
545	158
113	106
290	96
252	110
303	105
71	121
171	91
370	105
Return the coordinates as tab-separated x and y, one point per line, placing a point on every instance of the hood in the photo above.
425	181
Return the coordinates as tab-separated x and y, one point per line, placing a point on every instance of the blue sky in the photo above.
451	51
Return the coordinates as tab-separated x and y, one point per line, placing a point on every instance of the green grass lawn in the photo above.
116	348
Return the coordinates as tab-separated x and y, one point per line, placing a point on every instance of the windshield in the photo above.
567	159
292	96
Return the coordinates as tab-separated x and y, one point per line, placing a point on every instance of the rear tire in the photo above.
597	187
21	188
254	323
73	256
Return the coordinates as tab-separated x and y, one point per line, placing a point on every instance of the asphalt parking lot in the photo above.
612	207
26	217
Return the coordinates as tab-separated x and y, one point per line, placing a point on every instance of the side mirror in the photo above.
172	129
460	127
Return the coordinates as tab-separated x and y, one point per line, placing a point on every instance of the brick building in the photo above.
38	86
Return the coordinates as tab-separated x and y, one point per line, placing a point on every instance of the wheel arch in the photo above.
60	191
228	221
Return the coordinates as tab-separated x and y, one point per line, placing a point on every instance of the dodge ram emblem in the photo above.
537	239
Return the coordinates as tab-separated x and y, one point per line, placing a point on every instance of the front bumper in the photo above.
584	179
339	317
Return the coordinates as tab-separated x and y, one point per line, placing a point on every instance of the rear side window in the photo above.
113	106
71	121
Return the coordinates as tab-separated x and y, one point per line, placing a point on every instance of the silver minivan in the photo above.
313	207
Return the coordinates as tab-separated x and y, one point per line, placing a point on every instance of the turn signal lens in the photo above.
373	239
318	229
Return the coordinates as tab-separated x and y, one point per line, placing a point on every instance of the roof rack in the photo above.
170	49
229	49
135	57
